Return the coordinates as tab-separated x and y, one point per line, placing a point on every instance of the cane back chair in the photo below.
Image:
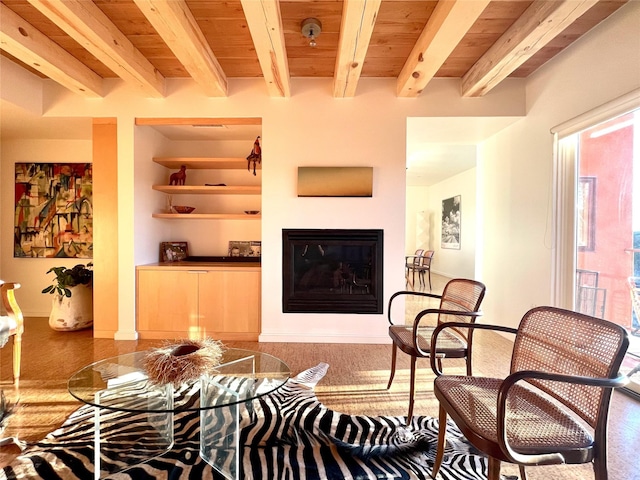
12	324
411	262
460	302
553	407
425	267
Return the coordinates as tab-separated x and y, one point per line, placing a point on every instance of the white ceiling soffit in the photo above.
209	132
441	147
16	122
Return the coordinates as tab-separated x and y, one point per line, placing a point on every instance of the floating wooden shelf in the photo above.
209	190
204	163
207	216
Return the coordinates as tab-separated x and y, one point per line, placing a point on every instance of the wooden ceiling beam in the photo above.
178	28
86	24
447	25
265	24
535	28
31	47
358	20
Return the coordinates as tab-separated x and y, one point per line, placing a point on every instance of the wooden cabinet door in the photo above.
230	304
167	302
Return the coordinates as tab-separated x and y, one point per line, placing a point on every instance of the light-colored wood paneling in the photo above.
210	190
105	227
230	303
167	301
194	300
223	28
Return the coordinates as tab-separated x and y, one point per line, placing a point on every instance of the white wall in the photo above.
31	272
309	129
448	262
419	220
424	213
516	164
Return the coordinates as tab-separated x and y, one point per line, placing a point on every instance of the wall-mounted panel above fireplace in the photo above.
332	271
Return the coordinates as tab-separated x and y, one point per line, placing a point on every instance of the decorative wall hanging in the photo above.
53	210
451	223
335	181
255	156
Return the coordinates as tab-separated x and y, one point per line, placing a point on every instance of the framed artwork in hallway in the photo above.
451	223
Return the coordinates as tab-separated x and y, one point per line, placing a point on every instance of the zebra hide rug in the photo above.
289	435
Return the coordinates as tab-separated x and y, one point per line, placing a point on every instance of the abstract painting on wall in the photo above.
54	210
451	223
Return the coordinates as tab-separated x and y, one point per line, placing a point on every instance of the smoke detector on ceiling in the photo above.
311	28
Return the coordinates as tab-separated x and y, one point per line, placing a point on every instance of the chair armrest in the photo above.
408	292
438	311
481	326
511	380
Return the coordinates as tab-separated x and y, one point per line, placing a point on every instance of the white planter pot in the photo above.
74	312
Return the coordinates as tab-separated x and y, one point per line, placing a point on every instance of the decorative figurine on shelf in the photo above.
255	156
178	178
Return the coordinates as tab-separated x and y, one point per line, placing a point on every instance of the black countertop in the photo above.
205	259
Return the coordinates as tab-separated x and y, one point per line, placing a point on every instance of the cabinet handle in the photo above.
197	271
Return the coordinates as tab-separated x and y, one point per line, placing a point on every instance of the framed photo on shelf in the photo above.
173	251
244	248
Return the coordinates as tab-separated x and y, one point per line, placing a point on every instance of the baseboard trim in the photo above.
292	338
125	335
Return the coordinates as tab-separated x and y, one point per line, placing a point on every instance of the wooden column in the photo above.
105	227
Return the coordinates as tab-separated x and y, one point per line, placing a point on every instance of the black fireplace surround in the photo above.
332	271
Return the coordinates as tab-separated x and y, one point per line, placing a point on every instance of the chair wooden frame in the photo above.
581	359
460	301
16	323
425	266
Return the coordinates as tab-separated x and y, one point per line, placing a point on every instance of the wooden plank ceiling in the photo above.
78	43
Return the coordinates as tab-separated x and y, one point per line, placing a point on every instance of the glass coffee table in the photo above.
125	400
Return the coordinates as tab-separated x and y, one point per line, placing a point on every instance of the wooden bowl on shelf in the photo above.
183	208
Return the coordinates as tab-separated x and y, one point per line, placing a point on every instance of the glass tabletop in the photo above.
121	383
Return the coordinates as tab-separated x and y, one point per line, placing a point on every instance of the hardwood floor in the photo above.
355	384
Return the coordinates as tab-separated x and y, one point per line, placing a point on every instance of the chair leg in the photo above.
442	433
600	468
412	389
429	271
523	474
17	349
394	351
494	469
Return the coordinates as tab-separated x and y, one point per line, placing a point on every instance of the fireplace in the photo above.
332	271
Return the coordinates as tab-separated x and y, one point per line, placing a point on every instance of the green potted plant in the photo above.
72	306
69	277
